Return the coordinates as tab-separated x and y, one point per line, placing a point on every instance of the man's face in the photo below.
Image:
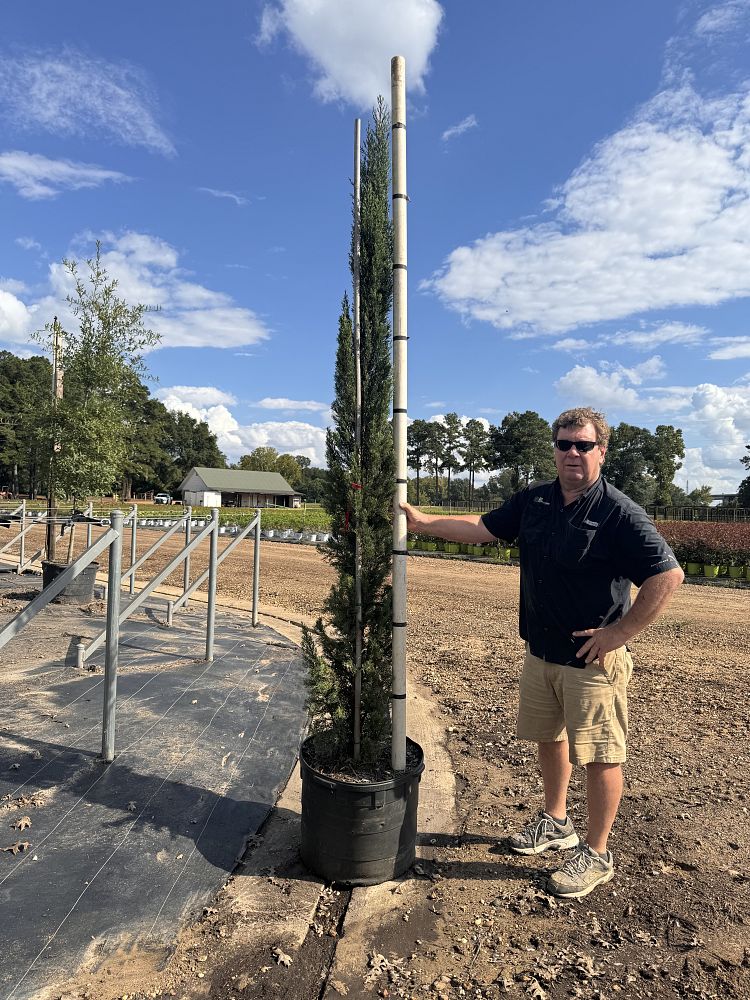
575	468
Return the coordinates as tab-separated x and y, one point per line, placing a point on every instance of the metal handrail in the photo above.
112	539
84	652
255	523
130	573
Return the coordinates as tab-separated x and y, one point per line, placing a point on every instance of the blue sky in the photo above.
579	224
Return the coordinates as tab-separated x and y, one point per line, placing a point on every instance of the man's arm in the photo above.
458	528
652	598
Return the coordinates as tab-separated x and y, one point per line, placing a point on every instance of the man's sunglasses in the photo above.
581	446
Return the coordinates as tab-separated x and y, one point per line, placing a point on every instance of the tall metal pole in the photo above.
57	394
22	556
188	534
357	500
400	200
113	639
212	566
256	568
133	542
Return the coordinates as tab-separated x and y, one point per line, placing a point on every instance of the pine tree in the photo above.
359	491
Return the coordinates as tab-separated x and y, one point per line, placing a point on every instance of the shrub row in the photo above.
708	543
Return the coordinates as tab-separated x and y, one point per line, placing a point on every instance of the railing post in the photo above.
133	542
211	612
256	568
22	557
113	639
186	567
89	526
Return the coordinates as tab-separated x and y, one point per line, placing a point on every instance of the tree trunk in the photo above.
127	487
417	486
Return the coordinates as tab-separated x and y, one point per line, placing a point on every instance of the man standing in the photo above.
582	543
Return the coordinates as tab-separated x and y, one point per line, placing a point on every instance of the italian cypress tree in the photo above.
359	493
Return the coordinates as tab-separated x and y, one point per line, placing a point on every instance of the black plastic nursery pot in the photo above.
78	591
359	833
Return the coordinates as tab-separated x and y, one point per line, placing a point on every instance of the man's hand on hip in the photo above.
600	642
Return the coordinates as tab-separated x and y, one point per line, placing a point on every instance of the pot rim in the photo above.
364	786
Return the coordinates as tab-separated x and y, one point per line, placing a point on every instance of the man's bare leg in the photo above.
603	792
556	770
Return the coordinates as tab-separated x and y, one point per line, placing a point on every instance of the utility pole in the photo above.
57	395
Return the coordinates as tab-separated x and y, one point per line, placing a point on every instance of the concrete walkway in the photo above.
129	852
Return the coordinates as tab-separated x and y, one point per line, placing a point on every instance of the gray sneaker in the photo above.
544	833
581	874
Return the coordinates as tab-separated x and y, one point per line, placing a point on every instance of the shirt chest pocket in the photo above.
575	545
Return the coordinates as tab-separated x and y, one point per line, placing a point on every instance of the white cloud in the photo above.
35	177
437	404
211	405
715	420
196	395
722	18
26	243
13	285
586	386
463	126
732	347
650	336
350	45
657	215
69	93
637	374
571	344
281	403
147	270
16	320
236	198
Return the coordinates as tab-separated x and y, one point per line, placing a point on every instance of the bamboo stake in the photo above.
357	728
398	193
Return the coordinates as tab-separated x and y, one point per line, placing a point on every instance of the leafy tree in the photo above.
102	361
474	451
668	446
745	460
628	462
523	444
364	511
743	493
303	462
313	484
417	448
498	488
190	442
25	389
287	466
262	459
701	496
452	439
435	459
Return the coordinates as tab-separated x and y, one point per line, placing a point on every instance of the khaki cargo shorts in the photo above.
587	706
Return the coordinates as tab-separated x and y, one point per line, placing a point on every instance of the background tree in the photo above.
191	442
668	446
453	434
473	451
363	512
102	361
745	460
25	386
435	453
628	460
417	448
523	444
743	493
287	467
261	459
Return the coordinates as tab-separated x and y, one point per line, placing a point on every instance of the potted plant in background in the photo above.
358	815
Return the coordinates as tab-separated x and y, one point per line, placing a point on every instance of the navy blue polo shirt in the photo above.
577	561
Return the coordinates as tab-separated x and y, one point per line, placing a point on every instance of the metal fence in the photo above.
112	539
722	514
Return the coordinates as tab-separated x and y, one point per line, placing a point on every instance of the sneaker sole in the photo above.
552	845
562	894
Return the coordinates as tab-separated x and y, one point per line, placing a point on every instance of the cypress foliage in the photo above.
329	648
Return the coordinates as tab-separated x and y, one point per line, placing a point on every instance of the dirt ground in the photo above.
476	921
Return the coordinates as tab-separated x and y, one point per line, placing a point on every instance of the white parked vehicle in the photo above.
162	498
